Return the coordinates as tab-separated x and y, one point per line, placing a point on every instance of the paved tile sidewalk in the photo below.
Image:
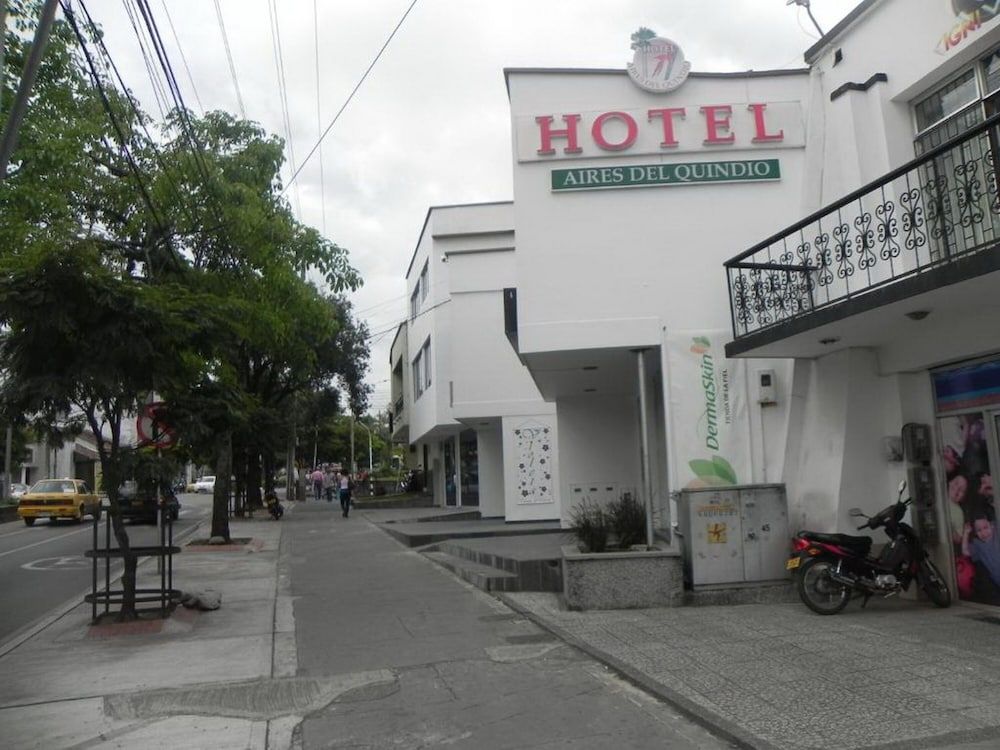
778	676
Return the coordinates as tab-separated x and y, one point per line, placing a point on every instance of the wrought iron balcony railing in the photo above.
398	407
938	208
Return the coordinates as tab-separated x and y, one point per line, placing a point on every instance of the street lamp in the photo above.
353	462
805	4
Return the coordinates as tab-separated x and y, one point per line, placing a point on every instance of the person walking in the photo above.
345	493
317	480
330	484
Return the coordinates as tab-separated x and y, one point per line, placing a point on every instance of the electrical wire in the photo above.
177	41
279	66
319	118
106	104
109	61
349	97
159	93
229	57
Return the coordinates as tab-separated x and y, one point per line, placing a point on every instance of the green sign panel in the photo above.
644	175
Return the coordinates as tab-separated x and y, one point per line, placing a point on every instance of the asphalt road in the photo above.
43	567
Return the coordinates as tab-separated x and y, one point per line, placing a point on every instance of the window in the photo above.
960	104
425	354
422	370
414	301
424	286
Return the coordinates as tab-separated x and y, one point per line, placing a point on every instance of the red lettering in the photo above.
547	134
716	121
760	127
597	131
667	116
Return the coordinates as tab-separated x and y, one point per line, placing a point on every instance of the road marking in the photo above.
45	541
58	563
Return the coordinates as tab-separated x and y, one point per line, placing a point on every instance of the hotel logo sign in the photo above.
658	64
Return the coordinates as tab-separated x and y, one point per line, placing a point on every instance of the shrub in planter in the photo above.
590	524
628	521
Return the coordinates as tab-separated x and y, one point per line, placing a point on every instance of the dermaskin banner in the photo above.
710	427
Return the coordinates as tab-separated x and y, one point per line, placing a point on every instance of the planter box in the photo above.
622	580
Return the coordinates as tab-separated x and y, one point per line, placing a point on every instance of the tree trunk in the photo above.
253	480
220	498
268	472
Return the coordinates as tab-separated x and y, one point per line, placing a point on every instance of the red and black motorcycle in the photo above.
832	568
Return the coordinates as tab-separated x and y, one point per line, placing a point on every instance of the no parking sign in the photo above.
153	428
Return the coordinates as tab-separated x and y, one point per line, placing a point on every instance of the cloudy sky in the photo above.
430	125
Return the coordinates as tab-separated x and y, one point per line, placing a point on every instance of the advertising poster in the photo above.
709	419
971	512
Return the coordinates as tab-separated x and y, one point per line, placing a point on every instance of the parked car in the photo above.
205	484
58	498
139	504
17	489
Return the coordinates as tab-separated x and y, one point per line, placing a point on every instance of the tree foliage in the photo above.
202	298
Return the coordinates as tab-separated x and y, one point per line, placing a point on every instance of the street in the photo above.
43	566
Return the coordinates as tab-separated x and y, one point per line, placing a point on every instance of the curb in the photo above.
61	610
721	727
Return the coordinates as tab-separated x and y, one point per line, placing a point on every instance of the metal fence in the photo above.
938	208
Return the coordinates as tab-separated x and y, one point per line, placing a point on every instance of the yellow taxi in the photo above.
58	498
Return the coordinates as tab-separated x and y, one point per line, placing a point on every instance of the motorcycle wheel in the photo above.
818	591
933	584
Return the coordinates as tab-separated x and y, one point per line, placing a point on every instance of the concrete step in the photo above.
481	576
531	574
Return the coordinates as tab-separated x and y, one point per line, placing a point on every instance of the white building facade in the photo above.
653	346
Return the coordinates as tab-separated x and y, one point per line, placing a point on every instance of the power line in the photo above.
349	97
106	104
319	117
279	66
177	40
229	56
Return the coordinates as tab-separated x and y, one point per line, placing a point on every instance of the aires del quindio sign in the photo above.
648	175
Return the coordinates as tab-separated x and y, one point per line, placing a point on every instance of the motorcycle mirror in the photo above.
902	488
856	513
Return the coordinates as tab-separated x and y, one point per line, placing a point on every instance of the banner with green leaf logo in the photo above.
709	420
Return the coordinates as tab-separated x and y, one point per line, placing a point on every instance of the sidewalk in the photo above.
333	634
894	675
196	679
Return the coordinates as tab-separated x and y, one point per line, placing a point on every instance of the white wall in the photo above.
491	472
599	445
598	266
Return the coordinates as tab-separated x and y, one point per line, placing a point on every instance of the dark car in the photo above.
139	504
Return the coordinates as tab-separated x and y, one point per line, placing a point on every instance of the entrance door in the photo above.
469	463
968	456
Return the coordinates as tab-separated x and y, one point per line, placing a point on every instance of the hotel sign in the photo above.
647	175
678	128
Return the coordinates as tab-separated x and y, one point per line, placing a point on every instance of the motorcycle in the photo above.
273	506
831	568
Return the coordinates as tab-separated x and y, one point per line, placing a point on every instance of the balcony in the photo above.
930	224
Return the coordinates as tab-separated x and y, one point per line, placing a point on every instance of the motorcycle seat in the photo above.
859	544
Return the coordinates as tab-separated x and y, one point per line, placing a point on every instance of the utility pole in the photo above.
354	464
28	76
5	489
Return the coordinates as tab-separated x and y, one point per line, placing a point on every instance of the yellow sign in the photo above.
716	533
